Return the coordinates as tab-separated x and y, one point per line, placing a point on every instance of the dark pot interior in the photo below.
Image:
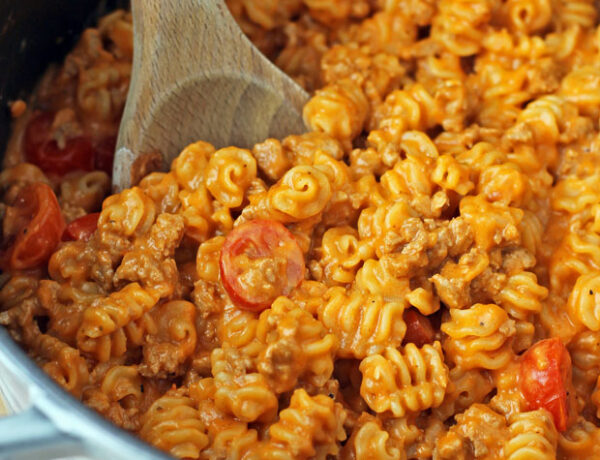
34	33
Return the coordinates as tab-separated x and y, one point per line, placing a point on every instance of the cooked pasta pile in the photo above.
417	276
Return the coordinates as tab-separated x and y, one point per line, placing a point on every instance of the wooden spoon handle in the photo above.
197	76
187	38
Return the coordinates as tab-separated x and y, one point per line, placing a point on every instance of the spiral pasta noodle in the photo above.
245	394
64	363
228	173
370	441
479	337
342	254
302	192
459	26
344	97
403	110
533	436
186	438
106	323
310	426
362	323
288	330
128	304
408	381
118	396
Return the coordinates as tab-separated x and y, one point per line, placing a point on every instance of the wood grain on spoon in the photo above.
196	76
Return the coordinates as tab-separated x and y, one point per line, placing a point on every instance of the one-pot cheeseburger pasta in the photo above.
416	277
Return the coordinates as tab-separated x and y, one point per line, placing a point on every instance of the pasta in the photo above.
532	435
415	277
229	172
363	324
413	381
369	441
309	427
479	336
187	438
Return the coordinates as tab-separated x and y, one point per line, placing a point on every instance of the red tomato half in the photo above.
43	151
104	154
260	260
545	376
418	328
37	225
82	228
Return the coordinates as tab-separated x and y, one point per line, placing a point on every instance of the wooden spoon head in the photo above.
217	87
223	111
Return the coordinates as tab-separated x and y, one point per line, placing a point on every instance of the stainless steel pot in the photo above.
46	422
51	423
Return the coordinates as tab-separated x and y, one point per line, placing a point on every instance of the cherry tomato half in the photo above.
43	151
418	328
260	260
36	227
104	154
82	228
545	376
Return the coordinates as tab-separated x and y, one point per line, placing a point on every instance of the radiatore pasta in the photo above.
415	277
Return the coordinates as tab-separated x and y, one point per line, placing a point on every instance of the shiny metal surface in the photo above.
54	424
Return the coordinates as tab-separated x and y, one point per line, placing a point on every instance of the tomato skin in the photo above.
81	229
43	151
545	377
418	328
40	226
260	240
104	154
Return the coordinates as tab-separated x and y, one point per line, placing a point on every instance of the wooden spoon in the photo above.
196	76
